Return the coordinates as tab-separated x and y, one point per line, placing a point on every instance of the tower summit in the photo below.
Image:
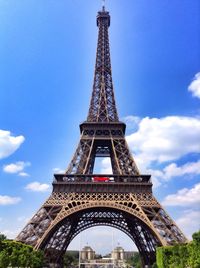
103	5
102	105
81	199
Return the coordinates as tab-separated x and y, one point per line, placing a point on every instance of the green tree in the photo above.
16	254
37	259
2	237
4	259
14	257
180	255
196	238
194	250
70	259
135	261
24	256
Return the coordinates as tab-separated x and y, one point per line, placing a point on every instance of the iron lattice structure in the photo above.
78	203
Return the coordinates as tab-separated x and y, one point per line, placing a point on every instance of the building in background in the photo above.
118	254
116	259
87	253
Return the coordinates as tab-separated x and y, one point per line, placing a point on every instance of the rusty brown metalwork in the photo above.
77	202
102	105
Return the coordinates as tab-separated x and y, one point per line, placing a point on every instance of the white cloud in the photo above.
173	170
23	219
16	167
194	87
59	170
106	167
10	234
184	222
155	176
23	174
8	200
37	187
131	121
162	139
184	197
8	143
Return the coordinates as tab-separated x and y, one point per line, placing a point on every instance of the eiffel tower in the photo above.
81	199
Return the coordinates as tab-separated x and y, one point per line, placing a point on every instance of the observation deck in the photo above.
113	184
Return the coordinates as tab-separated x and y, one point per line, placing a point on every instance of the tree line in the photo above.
180	256
16	254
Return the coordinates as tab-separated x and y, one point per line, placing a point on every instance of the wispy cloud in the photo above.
194	87
23	174
184	222
9	200
58	170
184	197
9	143
23	219
17	167
10	234
37	187
173	170
131	121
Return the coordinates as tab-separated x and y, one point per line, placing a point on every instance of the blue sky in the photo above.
47	57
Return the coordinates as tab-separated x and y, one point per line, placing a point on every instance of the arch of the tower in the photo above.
57	239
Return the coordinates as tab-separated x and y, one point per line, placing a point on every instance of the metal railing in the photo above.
101	178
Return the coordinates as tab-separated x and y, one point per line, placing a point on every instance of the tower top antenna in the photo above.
103	5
